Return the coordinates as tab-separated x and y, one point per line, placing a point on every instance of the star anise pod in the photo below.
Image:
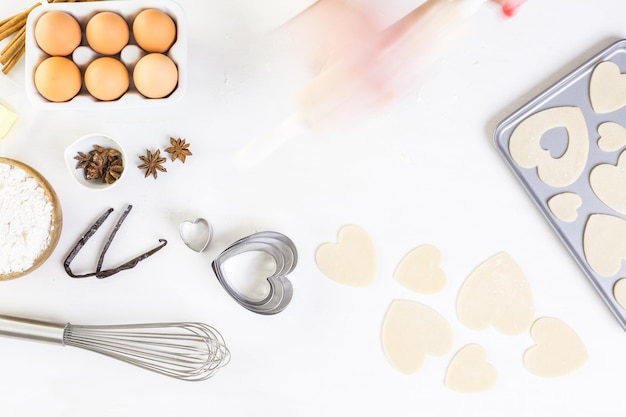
108	152
93	171
152	163
113	172
178	150
101	163
98	158
96	166
83	160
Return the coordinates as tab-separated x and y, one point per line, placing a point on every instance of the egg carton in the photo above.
83	54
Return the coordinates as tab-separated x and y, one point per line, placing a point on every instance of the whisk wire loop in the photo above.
190	351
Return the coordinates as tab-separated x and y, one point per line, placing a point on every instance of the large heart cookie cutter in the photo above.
285	256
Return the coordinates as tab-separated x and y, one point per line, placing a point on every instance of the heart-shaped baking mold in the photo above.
196	234
282	250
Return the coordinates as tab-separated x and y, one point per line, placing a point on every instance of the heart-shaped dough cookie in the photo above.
558	349
469	370
526	149
612	136
607	88
410	332
420	270
604	243
496	293
350	261
608	183
619	292
565	206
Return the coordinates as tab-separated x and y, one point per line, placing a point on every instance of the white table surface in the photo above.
422	171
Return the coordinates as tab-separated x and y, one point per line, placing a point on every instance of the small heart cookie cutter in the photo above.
285	256
196	234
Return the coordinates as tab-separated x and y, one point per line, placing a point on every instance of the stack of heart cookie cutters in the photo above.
197	235
282	250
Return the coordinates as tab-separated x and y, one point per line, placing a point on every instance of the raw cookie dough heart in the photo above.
469	371
564	206
608	183
619	292
526	150
420	270
558	349
607	88
612	136
350	261
604	243
496	293
410	332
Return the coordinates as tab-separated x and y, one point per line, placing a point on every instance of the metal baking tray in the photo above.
572	90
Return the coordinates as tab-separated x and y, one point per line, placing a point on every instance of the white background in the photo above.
424	170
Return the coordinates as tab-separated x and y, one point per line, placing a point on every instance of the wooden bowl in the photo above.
57	218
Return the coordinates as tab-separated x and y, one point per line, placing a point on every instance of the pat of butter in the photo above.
7	119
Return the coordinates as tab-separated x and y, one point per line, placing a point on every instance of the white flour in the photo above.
25	219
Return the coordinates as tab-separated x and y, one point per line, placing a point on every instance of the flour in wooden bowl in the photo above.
30	219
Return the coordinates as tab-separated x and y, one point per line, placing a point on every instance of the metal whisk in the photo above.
189	351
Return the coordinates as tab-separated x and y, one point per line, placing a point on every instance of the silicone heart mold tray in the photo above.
567	147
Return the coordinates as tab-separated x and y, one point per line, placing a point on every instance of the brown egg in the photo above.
57	79
106	79
154	30
57	33
107	33
155	75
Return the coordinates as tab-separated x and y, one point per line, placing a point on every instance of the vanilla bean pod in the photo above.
111	237
132	263
81	242
99	273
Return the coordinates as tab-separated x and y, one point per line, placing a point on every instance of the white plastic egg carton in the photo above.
83	55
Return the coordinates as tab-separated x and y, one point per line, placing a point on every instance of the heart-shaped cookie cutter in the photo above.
285	256
196	234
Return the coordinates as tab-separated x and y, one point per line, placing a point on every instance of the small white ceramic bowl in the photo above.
85	145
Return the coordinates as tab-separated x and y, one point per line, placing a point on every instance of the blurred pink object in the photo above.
510	7
362	66
380	65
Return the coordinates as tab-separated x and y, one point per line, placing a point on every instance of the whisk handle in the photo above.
32	329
